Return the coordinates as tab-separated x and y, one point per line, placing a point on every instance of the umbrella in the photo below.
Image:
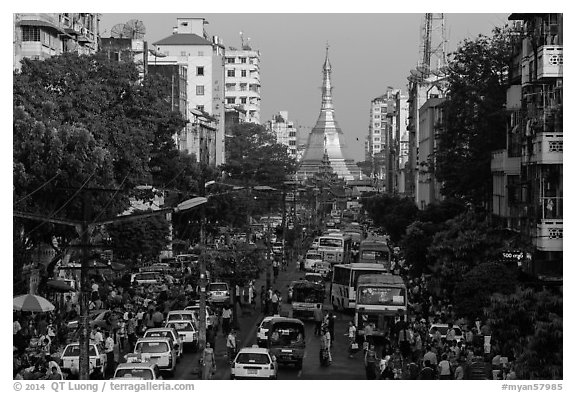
33	303
60	286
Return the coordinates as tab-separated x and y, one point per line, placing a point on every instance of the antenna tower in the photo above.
433	43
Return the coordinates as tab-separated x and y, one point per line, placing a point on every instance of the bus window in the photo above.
328	242
359	273
341	275
374	255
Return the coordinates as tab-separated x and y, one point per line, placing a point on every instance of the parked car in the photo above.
316	278
187	330
254	363
218	293
70	359
324	269
177	315
158	350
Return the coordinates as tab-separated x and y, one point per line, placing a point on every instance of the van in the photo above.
286	340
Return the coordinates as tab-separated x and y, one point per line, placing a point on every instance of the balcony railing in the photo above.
550	62
544	148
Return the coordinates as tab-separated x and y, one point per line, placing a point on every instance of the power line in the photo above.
111	199
39	188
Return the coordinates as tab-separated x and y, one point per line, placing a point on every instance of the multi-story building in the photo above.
286	132
127	49
39	36
527	175
190	46
242	80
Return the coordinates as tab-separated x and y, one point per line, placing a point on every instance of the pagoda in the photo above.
326	136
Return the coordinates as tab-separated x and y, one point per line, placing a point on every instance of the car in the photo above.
311	258
178	315
211	317
218	293
168	332
315	243
443	328
262	332
316	278
324	269
137	370
158	350
254	363
70	359
187	329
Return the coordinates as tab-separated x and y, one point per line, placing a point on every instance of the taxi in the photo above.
158	350
254	363
211	317
187	330
168	332
70	359
135	369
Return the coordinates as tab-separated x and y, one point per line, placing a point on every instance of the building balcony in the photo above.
549	235
550	62
502	163
545	148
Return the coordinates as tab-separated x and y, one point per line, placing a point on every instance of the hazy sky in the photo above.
368	52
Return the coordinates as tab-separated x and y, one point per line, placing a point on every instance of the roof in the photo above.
285	319
380	278
153	339
254	350
40	23
135	365
183	39
159	329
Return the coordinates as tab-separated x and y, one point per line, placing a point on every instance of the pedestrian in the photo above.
211	336
353	345
109	351
459	372
226	316
275	268
370	361
427	371
331	323
208	362
444	368
231	345
275	301
325	355
318	317
430	356
263	308
404	339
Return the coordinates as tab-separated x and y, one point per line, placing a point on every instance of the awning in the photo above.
60	285
40	23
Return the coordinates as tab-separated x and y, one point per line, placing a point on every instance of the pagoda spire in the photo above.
327	84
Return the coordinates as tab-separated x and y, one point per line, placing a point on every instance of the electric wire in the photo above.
38	189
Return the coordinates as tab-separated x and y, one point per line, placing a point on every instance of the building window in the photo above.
243	60
230	87
243	73
377	109
243	86
377	147
242	100
376	131
231	73
377	125
230	100
292	143
200	90
292	134
230	60
200	107
200	71
377	139
376	116
293	152
30	33
183	53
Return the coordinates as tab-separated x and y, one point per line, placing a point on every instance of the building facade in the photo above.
39	36
528	174
286	132
242	80
190	46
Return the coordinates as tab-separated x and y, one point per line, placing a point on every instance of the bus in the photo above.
306	296
344	280
381	299
375	250
335	247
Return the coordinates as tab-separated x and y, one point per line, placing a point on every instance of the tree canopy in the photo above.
391	212
474	122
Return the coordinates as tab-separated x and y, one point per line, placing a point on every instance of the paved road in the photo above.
342	366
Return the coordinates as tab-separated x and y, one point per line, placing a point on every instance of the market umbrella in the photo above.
33	303
60	286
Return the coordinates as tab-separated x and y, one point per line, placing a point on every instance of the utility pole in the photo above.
202	264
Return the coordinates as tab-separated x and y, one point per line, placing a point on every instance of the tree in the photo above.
473	292
393	213
474	120
527	325
255	158
86	122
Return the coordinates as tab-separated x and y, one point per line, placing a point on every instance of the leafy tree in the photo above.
527	325
85	121
415	244
144	238
393	213
474	119
254	157
366	167
473	292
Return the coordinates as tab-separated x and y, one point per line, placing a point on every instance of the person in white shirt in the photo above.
231	345
109	350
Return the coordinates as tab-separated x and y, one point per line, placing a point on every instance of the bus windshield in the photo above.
330	242
374	255
308	295
358	273
385	296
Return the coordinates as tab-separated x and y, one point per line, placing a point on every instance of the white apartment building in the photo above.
39	36
286	132
242	80
189	45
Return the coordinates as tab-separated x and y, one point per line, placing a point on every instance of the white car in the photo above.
315	243
137	370
254	362
180	315
443	329
262	332
187	330
70	360
211	318
168	332
158	350
218	293
310	260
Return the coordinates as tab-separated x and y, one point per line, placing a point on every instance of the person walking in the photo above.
353	345
318	318
109	350
370	362
231	345
444	368
208	362
325	355
331	323
275	300
226	316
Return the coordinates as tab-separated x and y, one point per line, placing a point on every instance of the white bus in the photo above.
344	280
335	247
375	250
381	299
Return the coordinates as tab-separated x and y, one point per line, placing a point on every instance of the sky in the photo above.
368	53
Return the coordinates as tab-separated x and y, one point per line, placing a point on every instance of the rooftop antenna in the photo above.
241	39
